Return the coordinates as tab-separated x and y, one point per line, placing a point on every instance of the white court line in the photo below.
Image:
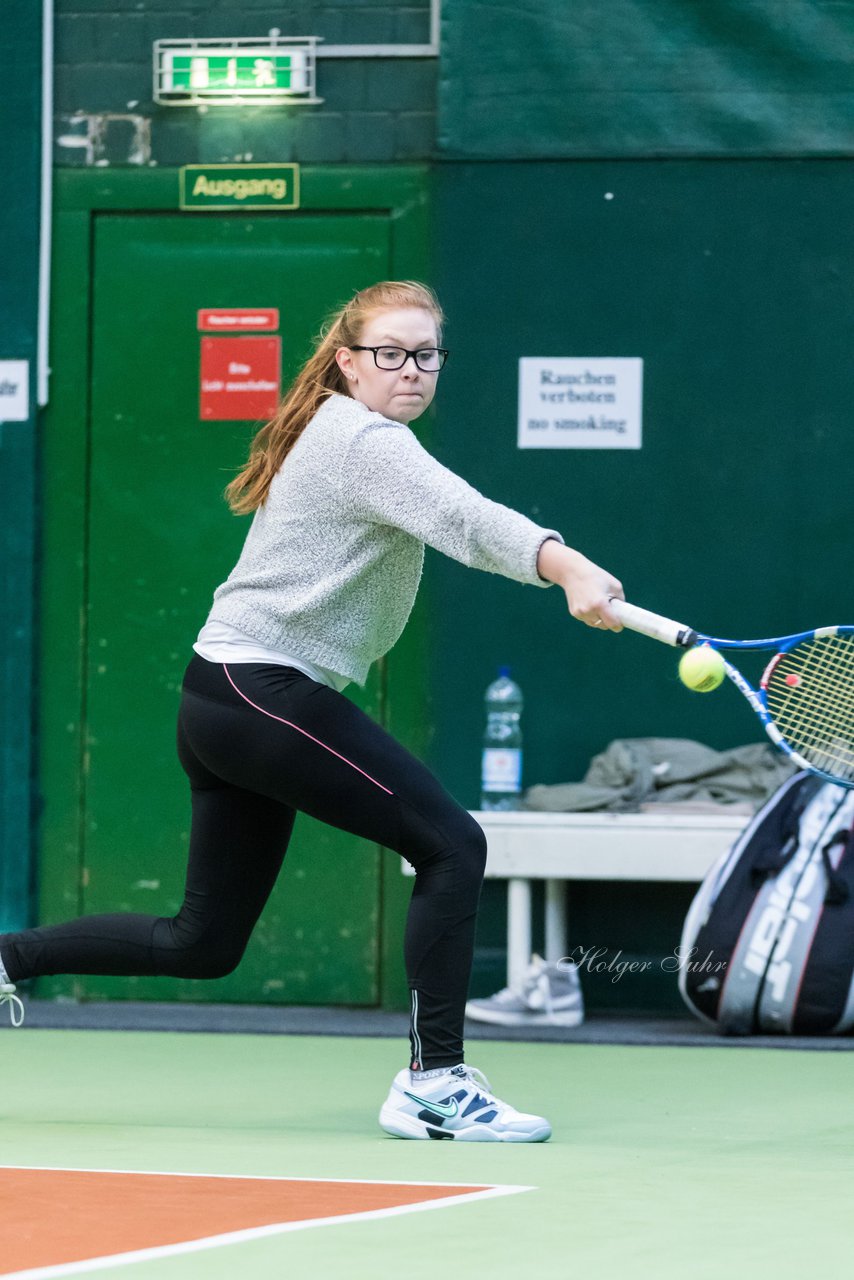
250	1233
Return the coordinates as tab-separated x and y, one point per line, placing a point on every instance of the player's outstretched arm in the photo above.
588	588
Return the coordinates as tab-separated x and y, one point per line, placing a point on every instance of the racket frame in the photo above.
681	636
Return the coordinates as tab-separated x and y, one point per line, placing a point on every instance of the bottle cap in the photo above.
504	671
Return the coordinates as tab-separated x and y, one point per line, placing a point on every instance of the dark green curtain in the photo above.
583	78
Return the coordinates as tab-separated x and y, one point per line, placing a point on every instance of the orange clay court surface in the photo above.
100	1214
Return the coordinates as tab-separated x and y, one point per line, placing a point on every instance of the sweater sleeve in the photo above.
389	478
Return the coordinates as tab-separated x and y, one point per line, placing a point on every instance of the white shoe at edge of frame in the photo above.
16	1007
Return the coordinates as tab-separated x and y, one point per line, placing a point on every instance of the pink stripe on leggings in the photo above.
291	725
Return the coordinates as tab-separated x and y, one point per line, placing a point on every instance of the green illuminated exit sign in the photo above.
235	72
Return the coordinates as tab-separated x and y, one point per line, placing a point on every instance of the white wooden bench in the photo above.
557	847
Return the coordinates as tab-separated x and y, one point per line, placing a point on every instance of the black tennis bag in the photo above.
768	944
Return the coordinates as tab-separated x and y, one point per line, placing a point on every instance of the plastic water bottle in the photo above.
501	768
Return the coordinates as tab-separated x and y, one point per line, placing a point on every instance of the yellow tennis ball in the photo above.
701	669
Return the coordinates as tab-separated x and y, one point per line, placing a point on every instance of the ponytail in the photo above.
319	378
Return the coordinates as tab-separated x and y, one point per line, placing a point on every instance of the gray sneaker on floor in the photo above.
549	995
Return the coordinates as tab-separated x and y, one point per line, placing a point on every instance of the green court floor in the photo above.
666	1163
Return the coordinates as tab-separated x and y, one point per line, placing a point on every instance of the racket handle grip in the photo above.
653	625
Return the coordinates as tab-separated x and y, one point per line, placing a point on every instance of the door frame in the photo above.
402	192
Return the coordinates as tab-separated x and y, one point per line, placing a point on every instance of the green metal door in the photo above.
160	540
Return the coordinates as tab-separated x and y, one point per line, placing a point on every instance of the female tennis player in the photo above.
344	499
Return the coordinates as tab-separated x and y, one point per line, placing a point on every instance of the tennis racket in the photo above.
805	698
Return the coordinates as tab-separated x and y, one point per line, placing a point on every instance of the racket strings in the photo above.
818	739
810	695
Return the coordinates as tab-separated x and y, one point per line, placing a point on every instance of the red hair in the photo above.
319	378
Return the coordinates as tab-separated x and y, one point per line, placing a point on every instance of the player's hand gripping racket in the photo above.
805	697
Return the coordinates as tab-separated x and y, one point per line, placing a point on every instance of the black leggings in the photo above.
259	742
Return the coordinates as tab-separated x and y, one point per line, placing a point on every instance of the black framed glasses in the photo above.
427	359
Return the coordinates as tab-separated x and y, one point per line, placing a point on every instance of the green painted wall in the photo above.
136	537
733	282
20	117
731	279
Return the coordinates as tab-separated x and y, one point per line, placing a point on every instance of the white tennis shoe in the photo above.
16	1007
457	1104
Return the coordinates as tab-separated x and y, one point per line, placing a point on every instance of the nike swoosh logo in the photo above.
438	1108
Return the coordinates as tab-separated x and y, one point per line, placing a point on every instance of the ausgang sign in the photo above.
239	186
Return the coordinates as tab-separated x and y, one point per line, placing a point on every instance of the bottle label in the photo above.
502	769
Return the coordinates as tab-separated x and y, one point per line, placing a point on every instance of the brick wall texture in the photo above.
374	110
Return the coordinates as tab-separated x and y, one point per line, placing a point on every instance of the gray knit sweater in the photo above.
332	561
